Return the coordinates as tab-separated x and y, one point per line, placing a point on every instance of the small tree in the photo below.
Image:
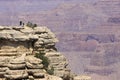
45	62
50	71
34	25
29	24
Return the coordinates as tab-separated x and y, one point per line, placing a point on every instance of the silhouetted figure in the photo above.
21	23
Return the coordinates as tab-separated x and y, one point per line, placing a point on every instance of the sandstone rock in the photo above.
34	66
17	74
16	66
6	28
51	54
18	44
48	41
27	30
1	28
82	78
3	69
19	37
8	54
19	60
3	64
58	62
14	35
32	71
33	37
17	28
54	78
39	75
33	60
45	36
31	78
39	30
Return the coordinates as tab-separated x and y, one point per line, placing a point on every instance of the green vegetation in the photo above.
30	24
50	71
45	62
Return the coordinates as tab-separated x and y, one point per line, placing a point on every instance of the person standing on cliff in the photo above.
22	24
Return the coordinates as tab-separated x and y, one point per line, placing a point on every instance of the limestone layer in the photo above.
17	50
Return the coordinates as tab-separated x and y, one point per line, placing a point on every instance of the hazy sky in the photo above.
35	5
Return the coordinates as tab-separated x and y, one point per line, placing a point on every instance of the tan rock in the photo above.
18	44
33	60
82	77
17	74
16	66
32	71
58	62
39	30
3	69
34	66
39	75
54	78
19	60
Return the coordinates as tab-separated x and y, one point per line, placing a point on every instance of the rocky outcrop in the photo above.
59	63
46	40
17	50
25	67
82	78
46	43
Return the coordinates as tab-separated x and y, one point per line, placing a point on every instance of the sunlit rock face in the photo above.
17	50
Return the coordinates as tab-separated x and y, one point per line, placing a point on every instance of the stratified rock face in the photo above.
105	61
59	63
46	40
17	48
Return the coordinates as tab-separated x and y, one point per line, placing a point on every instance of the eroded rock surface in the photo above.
17	50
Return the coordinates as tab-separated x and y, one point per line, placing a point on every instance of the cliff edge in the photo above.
18	48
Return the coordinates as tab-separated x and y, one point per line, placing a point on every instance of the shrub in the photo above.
30	24
50	71
34	25
45	60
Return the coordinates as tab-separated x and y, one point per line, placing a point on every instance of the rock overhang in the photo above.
24	33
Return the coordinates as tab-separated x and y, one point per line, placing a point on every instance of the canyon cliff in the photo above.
19	48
